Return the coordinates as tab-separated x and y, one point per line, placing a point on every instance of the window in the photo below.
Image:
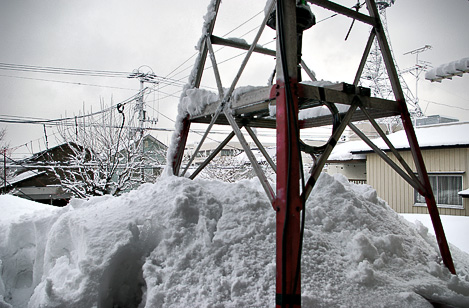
445	188
226	152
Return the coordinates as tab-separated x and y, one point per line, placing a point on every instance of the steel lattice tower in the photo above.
374	74
251	107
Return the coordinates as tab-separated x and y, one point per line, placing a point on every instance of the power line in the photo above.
61	70
196	53
75	72
67	82
49	121
446	105
167	81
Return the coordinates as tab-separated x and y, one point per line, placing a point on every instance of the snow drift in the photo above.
180	243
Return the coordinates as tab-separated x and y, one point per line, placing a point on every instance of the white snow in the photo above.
12	208
454	226
181	243
195	101
464	192
447	134
449	70
23	230
315	112
24	176
344	151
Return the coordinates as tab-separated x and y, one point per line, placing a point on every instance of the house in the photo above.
154	158
34	178
232	149
37	177
445	150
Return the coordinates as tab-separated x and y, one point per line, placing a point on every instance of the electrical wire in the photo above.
60	70
446	105
226	34
67	82
48	121
77	72
209	67
166	81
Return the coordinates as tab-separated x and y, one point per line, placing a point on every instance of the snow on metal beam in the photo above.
448	70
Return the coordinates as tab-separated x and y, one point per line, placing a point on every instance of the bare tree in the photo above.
105	154
231	169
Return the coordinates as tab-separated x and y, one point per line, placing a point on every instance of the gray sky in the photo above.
122	35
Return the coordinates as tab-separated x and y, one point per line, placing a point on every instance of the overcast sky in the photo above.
121	35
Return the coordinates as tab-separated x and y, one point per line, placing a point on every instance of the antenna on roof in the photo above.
418	68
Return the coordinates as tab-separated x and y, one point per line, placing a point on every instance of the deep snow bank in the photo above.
24	226
180	243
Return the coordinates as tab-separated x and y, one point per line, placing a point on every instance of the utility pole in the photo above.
4	170
150	77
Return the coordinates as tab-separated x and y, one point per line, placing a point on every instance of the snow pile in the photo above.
180	243
22	243
454	226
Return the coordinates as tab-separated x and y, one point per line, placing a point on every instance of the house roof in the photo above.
51	154
430	136
24	176
155	140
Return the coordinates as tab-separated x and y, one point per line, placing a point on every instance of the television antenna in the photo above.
419	67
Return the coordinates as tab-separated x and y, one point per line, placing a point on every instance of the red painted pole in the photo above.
288	202
288	206
181	144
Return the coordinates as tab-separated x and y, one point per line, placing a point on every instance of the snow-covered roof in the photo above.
24	176
439	135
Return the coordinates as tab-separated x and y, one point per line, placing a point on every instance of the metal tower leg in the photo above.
412	138
288	203
428	193
194	83
181	144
